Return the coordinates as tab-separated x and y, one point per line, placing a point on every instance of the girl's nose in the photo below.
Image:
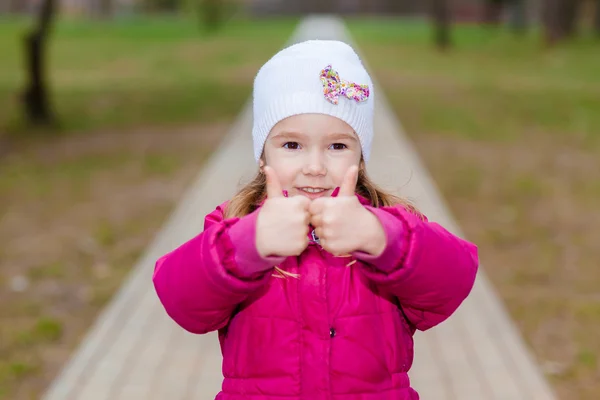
315	165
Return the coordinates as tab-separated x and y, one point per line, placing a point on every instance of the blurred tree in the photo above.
569	16
493	11
597	18
393	6
105	8
100	8
35	95
364	6
441	18
211	12
518	15
560	19
162	5
552	24
323	6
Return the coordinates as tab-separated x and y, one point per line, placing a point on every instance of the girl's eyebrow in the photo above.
342	135
289	135
299	135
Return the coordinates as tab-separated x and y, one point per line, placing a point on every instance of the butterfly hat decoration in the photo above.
334	87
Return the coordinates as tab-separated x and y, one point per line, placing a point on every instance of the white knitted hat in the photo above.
291	83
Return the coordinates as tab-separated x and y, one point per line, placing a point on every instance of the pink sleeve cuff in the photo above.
250	264
395	247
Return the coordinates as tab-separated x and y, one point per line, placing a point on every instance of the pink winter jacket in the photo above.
335	332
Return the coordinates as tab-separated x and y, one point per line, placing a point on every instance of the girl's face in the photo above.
311	153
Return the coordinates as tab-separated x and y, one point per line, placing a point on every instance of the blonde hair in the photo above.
249	198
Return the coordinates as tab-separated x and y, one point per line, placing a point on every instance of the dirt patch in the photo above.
532	207
76	214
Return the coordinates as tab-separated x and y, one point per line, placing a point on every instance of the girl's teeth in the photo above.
310	190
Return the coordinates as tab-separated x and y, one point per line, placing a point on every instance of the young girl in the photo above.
315	278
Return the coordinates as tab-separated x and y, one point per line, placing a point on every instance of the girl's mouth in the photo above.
312	192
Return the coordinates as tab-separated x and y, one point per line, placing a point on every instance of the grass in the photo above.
141	107
510	131
142	72
489	71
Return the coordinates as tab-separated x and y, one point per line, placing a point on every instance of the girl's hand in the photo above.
282	224
343	225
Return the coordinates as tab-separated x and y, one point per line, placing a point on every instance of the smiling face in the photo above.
311	153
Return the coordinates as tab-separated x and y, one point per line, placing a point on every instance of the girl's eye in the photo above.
291	145
338	146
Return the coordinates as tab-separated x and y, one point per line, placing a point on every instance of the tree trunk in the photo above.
597	19
365	6
394	7
35	96
100	8
322	6
518	16
560	19
441	19
106	8
569	13
158	5
493	11
211	14
553	29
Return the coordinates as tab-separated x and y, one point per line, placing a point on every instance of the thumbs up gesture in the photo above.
282	224
343	225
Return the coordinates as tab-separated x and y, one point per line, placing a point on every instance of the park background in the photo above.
108	109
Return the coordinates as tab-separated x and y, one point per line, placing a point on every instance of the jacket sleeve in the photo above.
202	282
428	269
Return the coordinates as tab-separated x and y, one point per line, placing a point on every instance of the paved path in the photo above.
135	352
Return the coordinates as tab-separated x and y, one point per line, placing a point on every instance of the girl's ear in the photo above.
261	164
361	164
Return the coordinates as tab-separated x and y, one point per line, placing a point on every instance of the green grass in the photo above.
492	85
140	72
